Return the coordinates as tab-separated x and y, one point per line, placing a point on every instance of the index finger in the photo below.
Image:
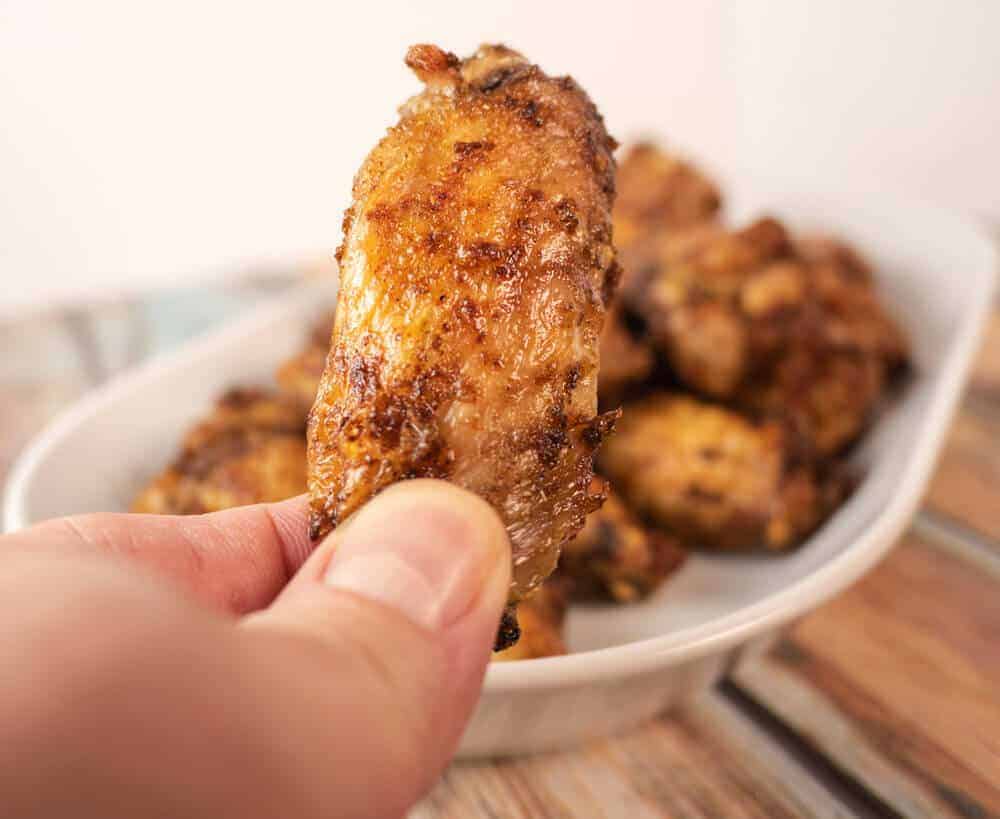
236	560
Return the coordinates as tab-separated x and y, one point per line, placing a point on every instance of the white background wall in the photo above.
146	142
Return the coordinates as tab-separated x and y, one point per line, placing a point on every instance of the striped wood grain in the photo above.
895	682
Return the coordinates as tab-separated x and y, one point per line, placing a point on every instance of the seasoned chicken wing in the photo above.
250	449
720	310
789	329
616	557
475	266
827	385
713	477
853	317
824	396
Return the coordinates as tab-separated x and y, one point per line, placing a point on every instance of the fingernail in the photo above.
423	548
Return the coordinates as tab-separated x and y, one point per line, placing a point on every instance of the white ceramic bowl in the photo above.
628	662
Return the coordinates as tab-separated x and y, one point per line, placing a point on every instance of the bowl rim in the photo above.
648	654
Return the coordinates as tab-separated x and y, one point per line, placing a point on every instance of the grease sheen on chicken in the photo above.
475	266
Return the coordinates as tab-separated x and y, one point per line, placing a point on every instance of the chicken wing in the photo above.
720	310
250	449
789	329
713	477
475	267
854	318
827	384
616	557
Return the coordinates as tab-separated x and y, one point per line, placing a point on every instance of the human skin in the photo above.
212	666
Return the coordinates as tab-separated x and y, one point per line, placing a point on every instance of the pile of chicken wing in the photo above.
745	360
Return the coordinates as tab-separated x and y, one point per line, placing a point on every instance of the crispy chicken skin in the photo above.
712	476
615	557
250	449
475	266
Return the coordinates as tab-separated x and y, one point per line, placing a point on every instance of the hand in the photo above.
211	666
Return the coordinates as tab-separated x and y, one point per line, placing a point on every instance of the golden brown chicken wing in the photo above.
475	266
720	310
251	449
853	317
789	330
616	557
824	396
827	383
713	477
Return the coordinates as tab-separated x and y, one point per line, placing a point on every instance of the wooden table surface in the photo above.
885	702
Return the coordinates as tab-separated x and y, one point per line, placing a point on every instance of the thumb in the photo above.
393	618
